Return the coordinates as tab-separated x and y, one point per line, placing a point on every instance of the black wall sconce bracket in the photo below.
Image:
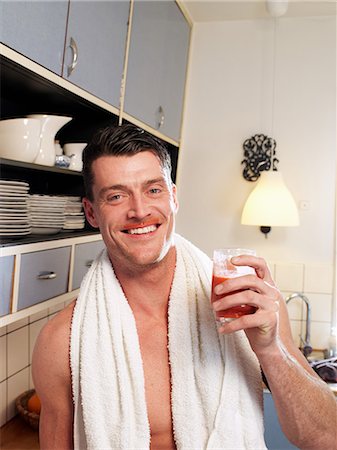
259	153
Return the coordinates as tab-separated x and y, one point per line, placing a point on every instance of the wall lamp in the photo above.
270	203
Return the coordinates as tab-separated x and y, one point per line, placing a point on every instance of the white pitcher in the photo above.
50	125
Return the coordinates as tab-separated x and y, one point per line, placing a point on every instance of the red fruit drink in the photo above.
223	269
235	311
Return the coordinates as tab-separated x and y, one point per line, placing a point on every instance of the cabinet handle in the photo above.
46	276
74	50
161	117
89	263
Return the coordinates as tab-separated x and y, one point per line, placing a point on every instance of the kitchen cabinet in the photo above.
274	436
95	52
6	283
43	275
157	65
36	29
84	256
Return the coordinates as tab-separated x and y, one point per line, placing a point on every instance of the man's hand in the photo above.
257	290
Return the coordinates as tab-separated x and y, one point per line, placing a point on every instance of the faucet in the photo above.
307	348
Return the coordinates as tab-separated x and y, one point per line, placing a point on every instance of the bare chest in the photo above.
153	344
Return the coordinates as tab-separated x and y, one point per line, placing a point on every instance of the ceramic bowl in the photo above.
20	139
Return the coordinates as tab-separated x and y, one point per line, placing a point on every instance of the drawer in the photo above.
43	275
6	284
84	256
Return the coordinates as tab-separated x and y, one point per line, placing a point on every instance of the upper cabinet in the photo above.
95	47
36	29
132	55
157	65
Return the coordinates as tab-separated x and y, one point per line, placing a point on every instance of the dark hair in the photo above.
123	140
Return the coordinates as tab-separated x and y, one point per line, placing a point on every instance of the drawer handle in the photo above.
89	263
74	50
47	276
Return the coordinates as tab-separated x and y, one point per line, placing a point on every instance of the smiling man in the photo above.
137	361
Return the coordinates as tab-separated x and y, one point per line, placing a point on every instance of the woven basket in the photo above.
21	405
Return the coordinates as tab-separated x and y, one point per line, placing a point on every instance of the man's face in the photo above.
134	206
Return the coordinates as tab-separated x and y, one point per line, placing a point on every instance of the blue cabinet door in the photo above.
157	66
36	29
6	284
273	434
99	31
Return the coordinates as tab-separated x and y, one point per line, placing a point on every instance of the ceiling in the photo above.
220	10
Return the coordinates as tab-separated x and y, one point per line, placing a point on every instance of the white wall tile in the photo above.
39	315
295	307
16	325
296	331
52	315
3	403
56	308
3	358
17	384
34	330
321	305
320	333
289	277
318	278
17	350
3	331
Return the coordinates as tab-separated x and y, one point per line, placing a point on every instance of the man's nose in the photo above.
138	207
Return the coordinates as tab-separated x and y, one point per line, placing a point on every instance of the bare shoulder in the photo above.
51	351
52	381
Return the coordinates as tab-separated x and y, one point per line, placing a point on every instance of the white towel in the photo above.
216	381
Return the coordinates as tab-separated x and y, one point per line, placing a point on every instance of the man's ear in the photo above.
175	198
89	212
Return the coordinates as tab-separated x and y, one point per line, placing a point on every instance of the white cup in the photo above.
74	151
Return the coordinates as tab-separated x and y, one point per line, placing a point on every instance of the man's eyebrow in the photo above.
113	187
154	181
124	187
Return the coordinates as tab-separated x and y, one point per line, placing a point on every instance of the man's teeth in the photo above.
142	230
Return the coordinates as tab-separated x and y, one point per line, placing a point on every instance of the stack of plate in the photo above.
14	216
47	213
74	216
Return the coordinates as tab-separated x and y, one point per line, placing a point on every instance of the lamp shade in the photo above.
270	203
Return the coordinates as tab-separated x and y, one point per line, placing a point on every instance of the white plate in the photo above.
13	194
13	227
42	230
14	232
14	190
13	183
46	203
47	218
6	221
13	206
47	224
11	214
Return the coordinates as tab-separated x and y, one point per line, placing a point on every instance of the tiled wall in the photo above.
16	348
315	281
17	340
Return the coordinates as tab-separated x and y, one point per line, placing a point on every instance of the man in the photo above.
137	361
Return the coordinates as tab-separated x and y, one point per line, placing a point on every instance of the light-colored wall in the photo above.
229	99
16	349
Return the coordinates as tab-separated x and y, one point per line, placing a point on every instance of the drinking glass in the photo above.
223	269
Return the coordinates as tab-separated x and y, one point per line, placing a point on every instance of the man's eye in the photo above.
114	198
155	191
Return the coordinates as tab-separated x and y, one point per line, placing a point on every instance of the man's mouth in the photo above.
141	229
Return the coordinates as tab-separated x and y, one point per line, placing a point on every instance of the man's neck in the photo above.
147	291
